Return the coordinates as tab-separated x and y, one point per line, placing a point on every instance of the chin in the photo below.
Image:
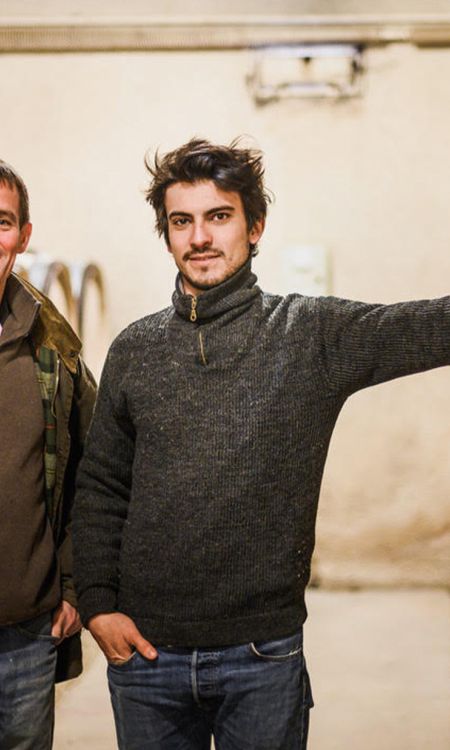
209	283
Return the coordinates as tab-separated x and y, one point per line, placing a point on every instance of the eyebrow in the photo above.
209	212
8	215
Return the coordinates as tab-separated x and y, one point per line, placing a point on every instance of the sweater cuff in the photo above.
96	601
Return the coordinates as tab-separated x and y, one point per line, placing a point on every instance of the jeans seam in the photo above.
304	709
194	681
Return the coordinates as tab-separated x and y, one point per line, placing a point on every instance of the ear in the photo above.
24	238
169	249
256	231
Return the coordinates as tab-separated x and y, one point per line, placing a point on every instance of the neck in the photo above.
233	294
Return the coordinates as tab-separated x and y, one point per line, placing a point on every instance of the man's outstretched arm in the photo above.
365	344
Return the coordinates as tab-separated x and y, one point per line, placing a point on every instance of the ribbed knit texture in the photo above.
198	489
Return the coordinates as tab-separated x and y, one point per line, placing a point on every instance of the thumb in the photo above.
57	624
57	630
145	648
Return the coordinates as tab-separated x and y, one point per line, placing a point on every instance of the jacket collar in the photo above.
4	309
50	328
238	291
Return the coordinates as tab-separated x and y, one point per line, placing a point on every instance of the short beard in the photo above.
207	286
204	287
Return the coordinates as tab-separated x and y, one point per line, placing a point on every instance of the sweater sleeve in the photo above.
103	492
365	344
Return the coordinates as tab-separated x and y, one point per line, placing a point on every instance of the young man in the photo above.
46	401
198	490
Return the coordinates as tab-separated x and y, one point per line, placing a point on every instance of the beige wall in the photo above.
367	179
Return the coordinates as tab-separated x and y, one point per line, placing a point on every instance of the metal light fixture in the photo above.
307	71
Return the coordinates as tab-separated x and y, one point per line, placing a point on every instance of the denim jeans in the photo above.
256	696
27	678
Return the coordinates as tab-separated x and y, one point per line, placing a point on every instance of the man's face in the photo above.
208	234
13	239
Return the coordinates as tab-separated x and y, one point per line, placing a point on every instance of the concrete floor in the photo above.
379	664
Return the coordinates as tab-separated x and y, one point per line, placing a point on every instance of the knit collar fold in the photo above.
238	291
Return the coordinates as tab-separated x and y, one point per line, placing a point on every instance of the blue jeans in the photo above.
256	696
27	679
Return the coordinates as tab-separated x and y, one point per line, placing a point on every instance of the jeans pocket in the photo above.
121	663
38	628
281	649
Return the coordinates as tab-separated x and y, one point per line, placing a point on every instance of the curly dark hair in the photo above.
9	176
231	168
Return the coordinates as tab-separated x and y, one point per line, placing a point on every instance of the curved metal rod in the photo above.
43	274
82	275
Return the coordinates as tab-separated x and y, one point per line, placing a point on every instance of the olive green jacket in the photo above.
68	394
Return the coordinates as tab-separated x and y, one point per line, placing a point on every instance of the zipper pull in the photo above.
193	315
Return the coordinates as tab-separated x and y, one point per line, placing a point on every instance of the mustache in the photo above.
201	251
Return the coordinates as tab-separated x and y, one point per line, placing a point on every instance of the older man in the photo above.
46	402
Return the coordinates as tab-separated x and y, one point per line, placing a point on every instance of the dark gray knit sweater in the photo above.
199	485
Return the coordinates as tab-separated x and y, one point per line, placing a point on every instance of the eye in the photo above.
221	216
179	221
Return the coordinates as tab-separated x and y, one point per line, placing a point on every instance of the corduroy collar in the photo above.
237	291
49	328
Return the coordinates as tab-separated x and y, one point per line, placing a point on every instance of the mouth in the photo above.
203	257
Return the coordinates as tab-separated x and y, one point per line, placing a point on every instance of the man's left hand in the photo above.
66	621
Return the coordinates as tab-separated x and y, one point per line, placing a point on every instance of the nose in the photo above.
201	236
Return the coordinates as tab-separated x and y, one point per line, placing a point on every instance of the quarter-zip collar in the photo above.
238	291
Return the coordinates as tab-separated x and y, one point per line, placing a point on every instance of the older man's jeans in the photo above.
27	678
256	696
